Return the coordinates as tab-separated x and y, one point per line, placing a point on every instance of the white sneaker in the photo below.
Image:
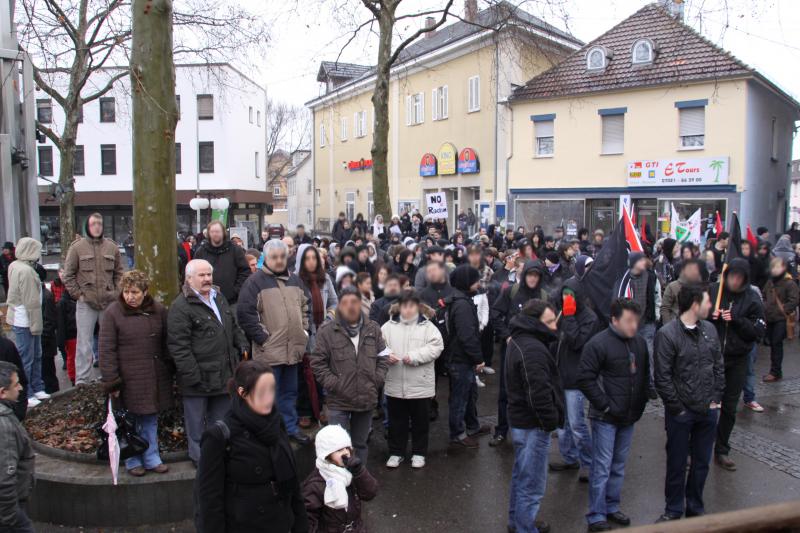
417	461
489	371
42	395
33	402
394	461
480	383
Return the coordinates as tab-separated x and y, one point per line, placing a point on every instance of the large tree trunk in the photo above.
66	211
380	103
154	119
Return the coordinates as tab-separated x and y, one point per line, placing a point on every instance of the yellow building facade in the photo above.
662	118
449	121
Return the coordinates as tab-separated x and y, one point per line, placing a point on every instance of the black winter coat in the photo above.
436	297
230	267
66	327
614	376
464	331
205	350
689	372
9	354
748	323
379	312
236	485
573	333
535	394
511	299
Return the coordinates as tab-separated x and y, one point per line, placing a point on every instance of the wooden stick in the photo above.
721	285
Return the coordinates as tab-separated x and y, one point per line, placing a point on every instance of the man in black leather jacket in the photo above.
690	378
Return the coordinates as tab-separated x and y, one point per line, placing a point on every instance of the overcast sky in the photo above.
765	34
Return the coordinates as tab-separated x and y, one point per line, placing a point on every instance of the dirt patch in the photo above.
68	422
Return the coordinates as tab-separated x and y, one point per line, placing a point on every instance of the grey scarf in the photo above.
352	331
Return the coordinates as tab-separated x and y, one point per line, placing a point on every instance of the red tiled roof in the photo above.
682	55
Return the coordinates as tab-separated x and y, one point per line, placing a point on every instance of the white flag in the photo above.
693	227
674	222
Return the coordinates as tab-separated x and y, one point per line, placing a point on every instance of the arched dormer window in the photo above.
596	59
642	52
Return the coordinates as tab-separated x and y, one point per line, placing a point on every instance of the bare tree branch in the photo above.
414	36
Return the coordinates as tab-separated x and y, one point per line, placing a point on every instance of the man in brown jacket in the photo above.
92	272
690	274
350	360
273	312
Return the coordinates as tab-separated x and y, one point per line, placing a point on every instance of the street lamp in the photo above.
200	203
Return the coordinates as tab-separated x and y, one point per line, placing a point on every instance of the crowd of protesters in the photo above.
336	331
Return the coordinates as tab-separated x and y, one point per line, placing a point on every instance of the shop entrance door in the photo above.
602	214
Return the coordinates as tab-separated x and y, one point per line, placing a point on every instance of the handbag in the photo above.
130	443
791	319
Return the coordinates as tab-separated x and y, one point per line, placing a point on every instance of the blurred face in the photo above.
347	281
95	226
340	456
60	273
702	309
365	287
264	235
548	318
350	308
639	266
692	273
777	269
201	280
475	260
262	398
238	242
435	273
252	262
392	287
409	310
133	296
310	261
735	281
532	279
11	394
627	325
598	238
216	234
558	233
437	256
363	256
763	251
409	259
276	259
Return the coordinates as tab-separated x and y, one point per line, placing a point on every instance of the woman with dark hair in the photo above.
379	282
763	256
405	264
537	242
665	263
309	267
781	298
360	224
135	366
247	477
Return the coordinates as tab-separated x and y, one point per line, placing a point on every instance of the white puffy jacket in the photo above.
423	343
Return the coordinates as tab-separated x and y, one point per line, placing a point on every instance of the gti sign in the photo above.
678	172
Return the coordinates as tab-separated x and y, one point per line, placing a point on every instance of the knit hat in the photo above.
8	245
343	271
551	256
634	258
582	265
331	439
463	277
435	249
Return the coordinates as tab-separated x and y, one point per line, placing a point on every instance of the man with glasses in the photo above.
614	376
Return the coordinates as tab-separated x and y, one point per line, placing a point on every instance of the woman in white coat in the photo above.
410	384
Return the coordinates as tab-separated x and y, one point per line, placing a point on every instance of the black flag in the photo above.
735	241
609	266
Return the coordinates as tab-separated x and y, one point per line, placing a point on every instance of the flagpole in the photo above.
721	286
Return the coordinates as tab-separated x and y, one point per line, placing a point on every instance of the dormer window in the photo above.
596	59
642	52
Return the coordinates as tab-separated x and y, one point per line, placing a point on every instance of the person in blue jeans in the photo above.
535	409
578	324
690	378
24	314
615	377
465	359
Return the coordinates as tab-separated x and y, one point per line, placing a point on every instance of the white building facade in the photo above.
220	151
300	186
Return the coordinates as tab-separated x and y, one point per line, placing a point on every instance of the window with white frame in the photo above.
308	216
642	51
322	135
318	196
359	124
344	129
544	138
276	190
370	206
257	160
258	118
613	133
596	59
350	205
250	114
692	127
439	103
290	186
474	94
415	109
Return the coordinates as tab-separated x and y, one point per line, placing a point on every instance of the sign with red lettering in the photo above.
679	172
362	164
427	166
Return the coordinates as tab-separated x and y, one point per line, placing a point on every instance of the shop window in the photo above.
549	213
687	207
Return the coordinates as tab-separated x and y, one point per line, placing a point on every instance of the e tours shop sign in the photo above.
678	172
